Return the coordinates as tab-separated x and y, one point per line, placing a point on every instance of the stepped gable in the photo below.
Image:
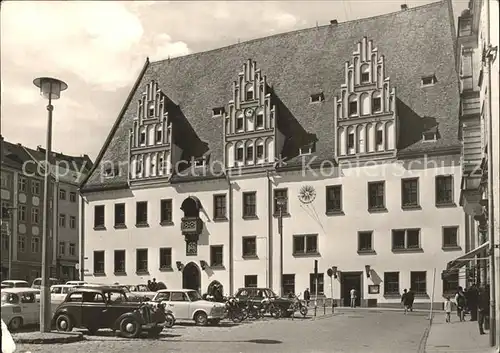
416	42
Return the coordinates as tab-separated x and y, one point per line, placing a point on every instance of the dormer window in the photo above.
239	124
318	97
249	95
428	80
159	136
142	138
249	156
260	151
239	154
380	137
151	111
218	111
110	172
365	73
200	162
376	104
350	140
353	108
259	123
429	136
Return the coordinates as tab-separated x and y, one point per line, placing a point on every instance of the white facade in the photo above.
337	234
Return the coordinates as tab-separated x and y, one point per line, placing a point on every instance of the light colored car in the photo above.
141	290
187	305
37	282
20	307
58	292
15	284
76	283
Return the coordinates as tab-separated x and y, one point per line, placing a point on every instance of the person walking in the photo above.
447	309
411	299
483	308
154	285
472	297
354	296
307	296
461	302
405	300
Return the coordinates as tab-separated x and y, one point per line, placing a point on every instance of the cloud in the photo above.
99	42
166	48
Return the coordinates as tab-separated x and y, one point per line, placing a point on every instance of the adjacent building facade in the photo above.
22	194
246	164
480	125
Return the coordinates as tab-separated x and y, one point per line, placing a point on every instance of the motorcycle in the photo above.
267	306
167	313
298	305
233	311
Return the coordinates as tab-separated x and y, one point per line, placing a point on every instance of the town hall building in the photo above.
245	164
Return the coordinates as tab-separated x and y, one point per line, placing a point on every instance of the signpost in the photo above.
316	286
329	272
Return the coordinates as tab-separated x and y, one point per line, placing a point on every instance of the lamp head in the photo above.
50	88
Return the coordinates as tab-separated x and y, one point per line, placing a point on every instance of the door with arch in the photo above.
191	277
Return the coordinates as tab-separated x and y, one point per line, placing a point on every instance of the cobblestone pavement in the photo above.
371	332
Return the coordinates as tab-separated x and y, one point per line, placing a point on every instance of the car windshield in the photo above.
272	294
162	296
194	296
10	298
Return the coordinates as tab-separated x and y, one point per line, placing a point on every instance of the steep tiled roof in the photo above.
417	42
14	156
70	169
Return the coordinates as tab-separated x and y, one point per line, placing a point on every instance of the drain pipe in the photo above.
231	233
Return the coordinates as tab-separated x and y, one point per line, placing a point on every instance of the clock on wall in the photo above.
307	194
249	112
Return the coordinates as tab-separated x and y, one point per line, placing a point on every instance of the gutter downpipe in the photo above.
81	243
231	233
269	266
491	220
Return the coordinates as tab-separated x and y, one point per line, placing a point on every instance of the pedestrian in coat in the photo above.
472	297
461	302
411	299
447	309
483	307
354	296
307	296
405	300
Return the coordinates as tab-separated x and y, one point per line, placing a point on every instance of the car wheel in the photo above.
201	319
130	327
15	324
214	322
276	312
169	321
63	323
303	311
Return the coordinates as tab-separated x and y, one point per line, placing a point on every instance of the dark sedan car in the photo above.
96	308
256	295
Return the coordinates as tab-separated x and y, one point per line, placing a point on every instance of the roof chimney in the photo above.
404	7
334	22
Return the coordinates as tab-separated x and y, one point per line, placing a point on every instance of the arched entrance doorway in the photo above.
191	277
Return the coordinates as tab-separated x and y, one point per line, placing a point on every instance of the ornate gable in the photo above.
366	121
150	138
250	135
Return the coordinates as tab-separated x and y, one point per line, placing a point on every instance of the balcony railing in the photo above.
191	225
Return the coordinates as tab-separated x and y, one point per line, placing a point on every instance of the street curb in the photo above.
423	341
48	338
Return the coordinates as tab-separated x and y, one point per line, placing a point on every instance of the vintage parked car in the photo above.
96	308
256	295
37	282
20	307
76	283
58	292
187	304
14	283
141	290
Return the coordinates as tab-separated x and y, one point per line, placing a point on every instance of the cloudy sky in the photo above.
99	47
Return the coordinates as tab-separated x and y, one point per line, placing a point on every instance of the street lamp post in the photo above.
7	214
50	88
281	202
